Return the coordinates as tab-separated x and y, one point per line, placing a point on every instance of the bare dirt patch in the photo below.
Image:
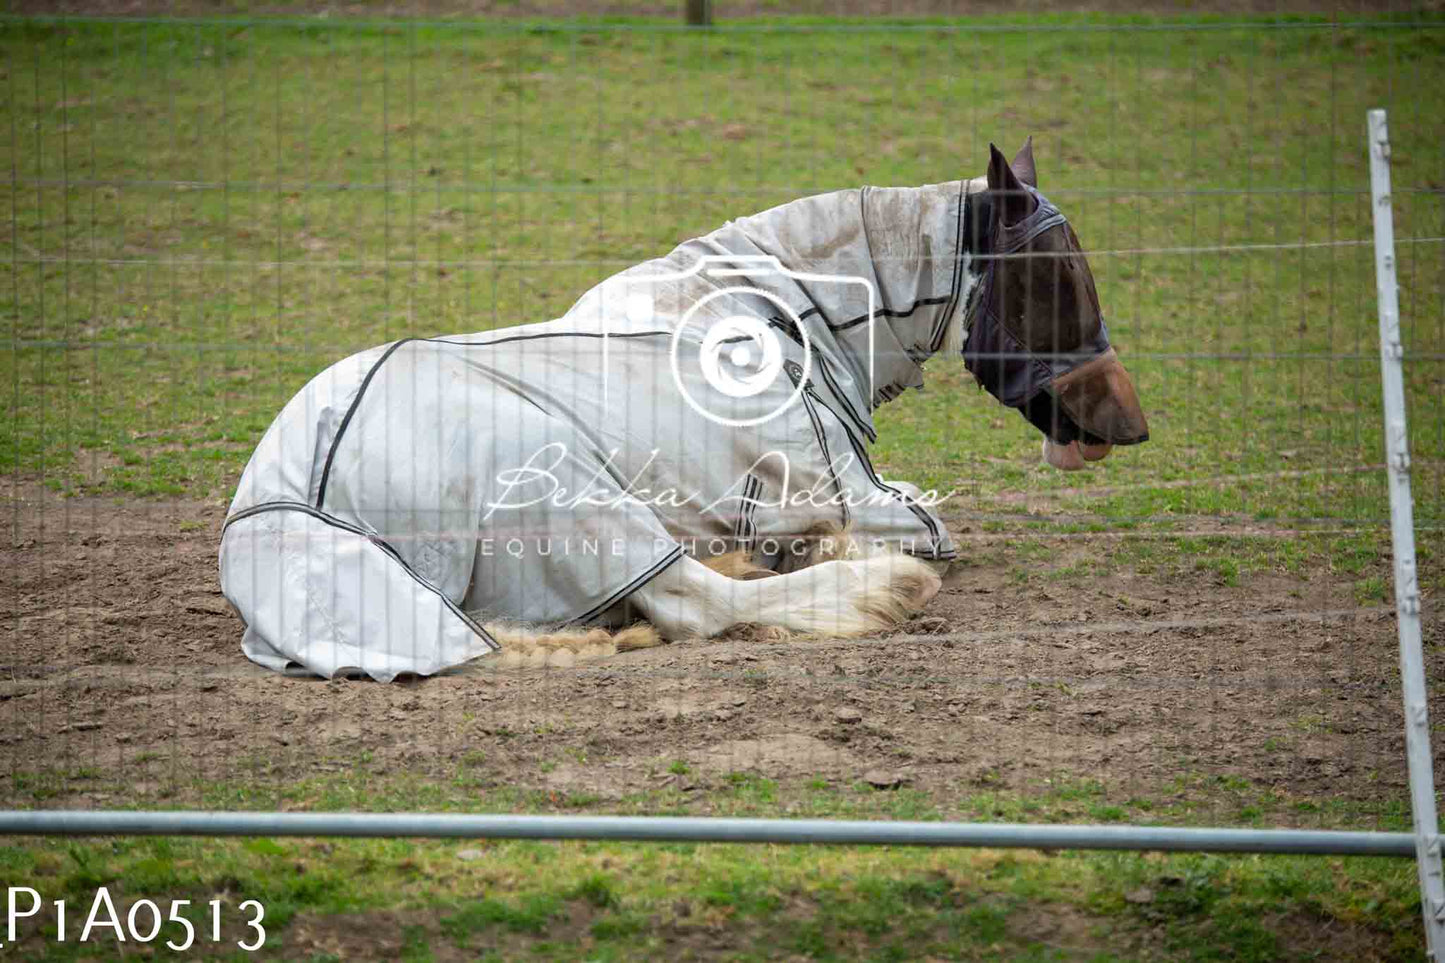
122	674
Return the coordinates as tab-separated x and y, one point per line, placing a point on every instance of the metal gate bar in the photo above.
702	829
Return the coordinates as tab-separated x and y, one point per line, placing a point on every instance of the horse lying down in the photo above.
683	452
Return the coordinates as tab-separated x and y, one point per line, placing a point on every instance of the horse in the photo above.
682	453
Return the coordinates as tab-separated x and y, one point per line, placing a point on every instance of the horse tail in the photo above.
525	645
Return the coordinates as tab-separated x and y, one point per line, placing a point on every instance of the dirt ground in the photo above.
121	675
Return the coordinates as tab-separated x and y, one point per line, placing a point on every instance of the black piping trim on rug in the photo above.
885	312
822	366
630	587
843	400
795	373
921	513
346	419
549	334
366	382
960	252
890	313
376	540
746	529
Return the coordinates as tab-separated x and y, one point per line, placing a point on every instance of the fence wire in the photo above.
204	214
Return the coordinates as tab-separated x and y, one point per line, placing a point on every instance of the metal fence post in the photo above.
1402	533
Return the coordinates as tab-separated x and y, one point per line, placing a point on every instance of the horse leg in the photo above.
832	598
690	599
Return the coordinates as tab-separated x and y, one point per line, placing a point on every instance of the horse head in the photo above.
1037	339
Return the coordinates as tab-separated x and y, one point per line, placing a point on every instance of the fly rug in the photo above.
683	452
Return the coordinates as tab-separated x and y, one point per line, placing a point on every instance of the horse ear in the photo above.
1014	202
1023	164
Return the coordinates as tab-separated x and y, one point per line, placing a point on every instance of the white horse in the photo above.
686	446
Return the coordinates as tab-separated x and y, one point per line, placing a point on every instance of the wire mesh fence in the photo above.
204	214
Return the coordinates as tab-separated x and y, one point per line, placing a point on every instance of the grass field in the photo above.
446	900
203	214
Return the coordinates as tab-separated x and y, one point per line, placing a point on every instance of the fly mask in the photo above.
1037	339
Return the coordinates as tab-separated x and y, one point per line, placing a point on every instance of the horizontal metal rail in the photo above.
706	830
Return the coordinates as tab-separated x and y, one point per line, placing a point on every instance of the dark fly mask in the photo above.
1037	340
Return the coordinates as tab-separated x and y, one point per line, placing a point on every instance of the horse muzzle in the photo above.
1099	396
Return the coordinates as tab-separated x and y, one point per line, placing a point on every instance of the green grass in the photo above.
614	901
522	895
203	215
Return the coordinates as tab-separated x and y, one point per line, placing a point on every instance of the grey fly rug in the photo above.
716	397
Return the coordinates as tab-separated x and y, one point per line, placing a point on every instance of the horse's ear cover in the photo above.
1014	201
1023	164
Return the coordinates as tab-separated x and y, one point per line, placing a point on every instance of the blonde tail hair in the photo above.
524	645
